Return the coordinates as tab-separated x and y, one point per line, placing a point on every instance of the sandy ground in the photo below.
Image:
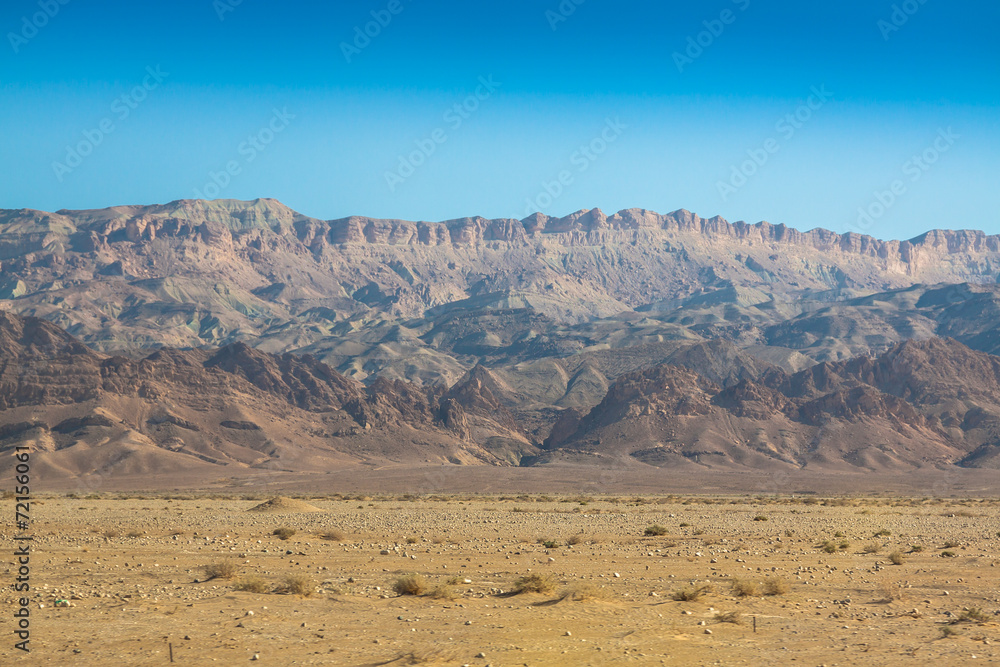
132	569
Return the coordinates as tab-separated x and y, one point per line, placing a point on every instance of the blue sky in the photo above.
874	116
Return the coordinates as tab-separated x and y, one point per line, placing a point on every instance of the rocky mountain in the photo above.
471	341
234	407
919	404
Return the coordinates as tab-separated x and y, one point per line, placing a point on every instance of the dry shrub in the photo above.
224	569
332	536
896	558
443	592
252	585
972	615
890	590
297	584
583	591
655	530
576	539
284	533
733	617
690	593
745	587
871	548
774	585
534	583
410	584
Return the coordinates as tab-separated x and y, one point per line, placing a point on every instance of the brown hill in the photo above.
85	413
920	404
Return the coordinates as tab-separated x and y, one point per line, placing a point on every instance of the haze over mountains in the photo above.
244	335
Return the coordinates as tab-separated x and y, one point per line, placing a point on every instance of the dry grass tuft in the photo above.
332	536
655	530
534	583
733	617
224	569
775	585
584	591
297	584
690	593
284	533
745	587
410	584
252	585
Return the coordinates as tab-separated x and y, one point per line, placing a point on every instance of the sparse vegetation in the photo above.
691	593
284	533
224	569
411	540
583	592
871	548
733	617
947	554
885	532
972	615
745	587
896	558
916	548
657	530
252	585
775	585
534	583
332	536
410	584
951	544
297	584
760	517
550	544
575	539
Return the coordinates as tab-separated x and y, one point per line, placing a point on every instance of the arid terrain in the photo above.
792	580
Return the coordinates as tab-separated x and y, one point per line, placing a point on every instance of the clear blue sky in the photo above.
675	127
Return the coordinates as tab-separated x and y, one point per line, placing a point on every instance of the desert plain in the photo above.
133	578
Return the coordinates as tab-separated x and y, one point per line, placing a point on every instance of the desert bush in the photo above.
583	592
297	584
828	546
733	617
896	558
951	544
549	544
760	517
839	534
685	524
252	585
110	534
947	554
744	587
656	530
410	584
224	569
947	631
411	540
871	548
972	615
134	533
442	592
690	593
534	583
775	585
885	532
284	533
575	539
916	548
332	536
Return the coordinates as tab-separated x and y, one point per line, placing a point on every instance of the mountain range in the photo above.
245	336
